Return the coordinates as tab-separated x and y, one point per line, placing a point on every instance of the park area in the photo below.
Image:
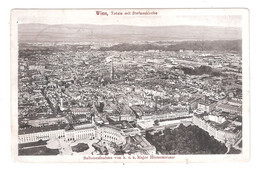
56	146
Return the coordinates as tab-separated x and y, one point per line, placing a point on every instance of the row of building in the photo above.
109	133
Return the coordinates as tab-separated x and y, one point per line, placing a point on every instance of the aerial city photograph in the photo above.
130	89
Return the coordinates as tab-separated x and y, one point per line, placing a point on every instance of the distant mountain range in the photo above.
122	33
206	45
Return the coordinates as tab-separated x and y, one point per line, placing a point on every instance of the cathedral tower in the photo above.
112	73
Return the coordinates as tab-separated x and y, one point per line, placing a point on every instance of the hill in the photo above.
122	33
215	45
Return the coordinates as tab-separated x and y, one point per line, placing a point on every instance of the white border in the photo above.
17	14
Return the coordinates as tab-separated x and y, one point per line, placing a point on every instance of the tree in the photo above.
156	122
186	140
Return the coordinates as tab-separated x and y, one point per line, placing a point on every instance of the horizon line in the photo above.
133	25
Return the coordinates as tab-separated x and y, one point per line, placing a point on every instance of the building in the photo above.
69	132
83	131
80	111
207	105
35	134
221	130
137	144
132	131
193	103
165	115
46	120
110	133
230	108
236	102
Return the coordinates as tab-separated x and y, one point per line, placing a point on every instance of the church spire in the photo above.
112	74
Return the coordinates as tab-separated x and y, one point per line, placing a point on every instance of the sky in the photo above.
164	17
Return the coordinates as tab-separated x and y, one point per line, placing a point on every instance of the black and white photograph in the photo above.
130	85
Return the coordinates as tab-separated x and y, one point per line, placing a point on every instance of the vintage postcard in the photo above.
130	85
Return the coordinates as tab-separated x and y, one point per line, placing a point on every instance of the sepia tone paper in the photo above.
130	85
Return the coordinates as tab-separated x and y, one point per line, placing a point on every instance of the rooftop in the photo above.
41	129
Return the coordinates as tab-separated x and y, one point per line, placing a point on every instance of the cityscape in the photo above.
129	90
